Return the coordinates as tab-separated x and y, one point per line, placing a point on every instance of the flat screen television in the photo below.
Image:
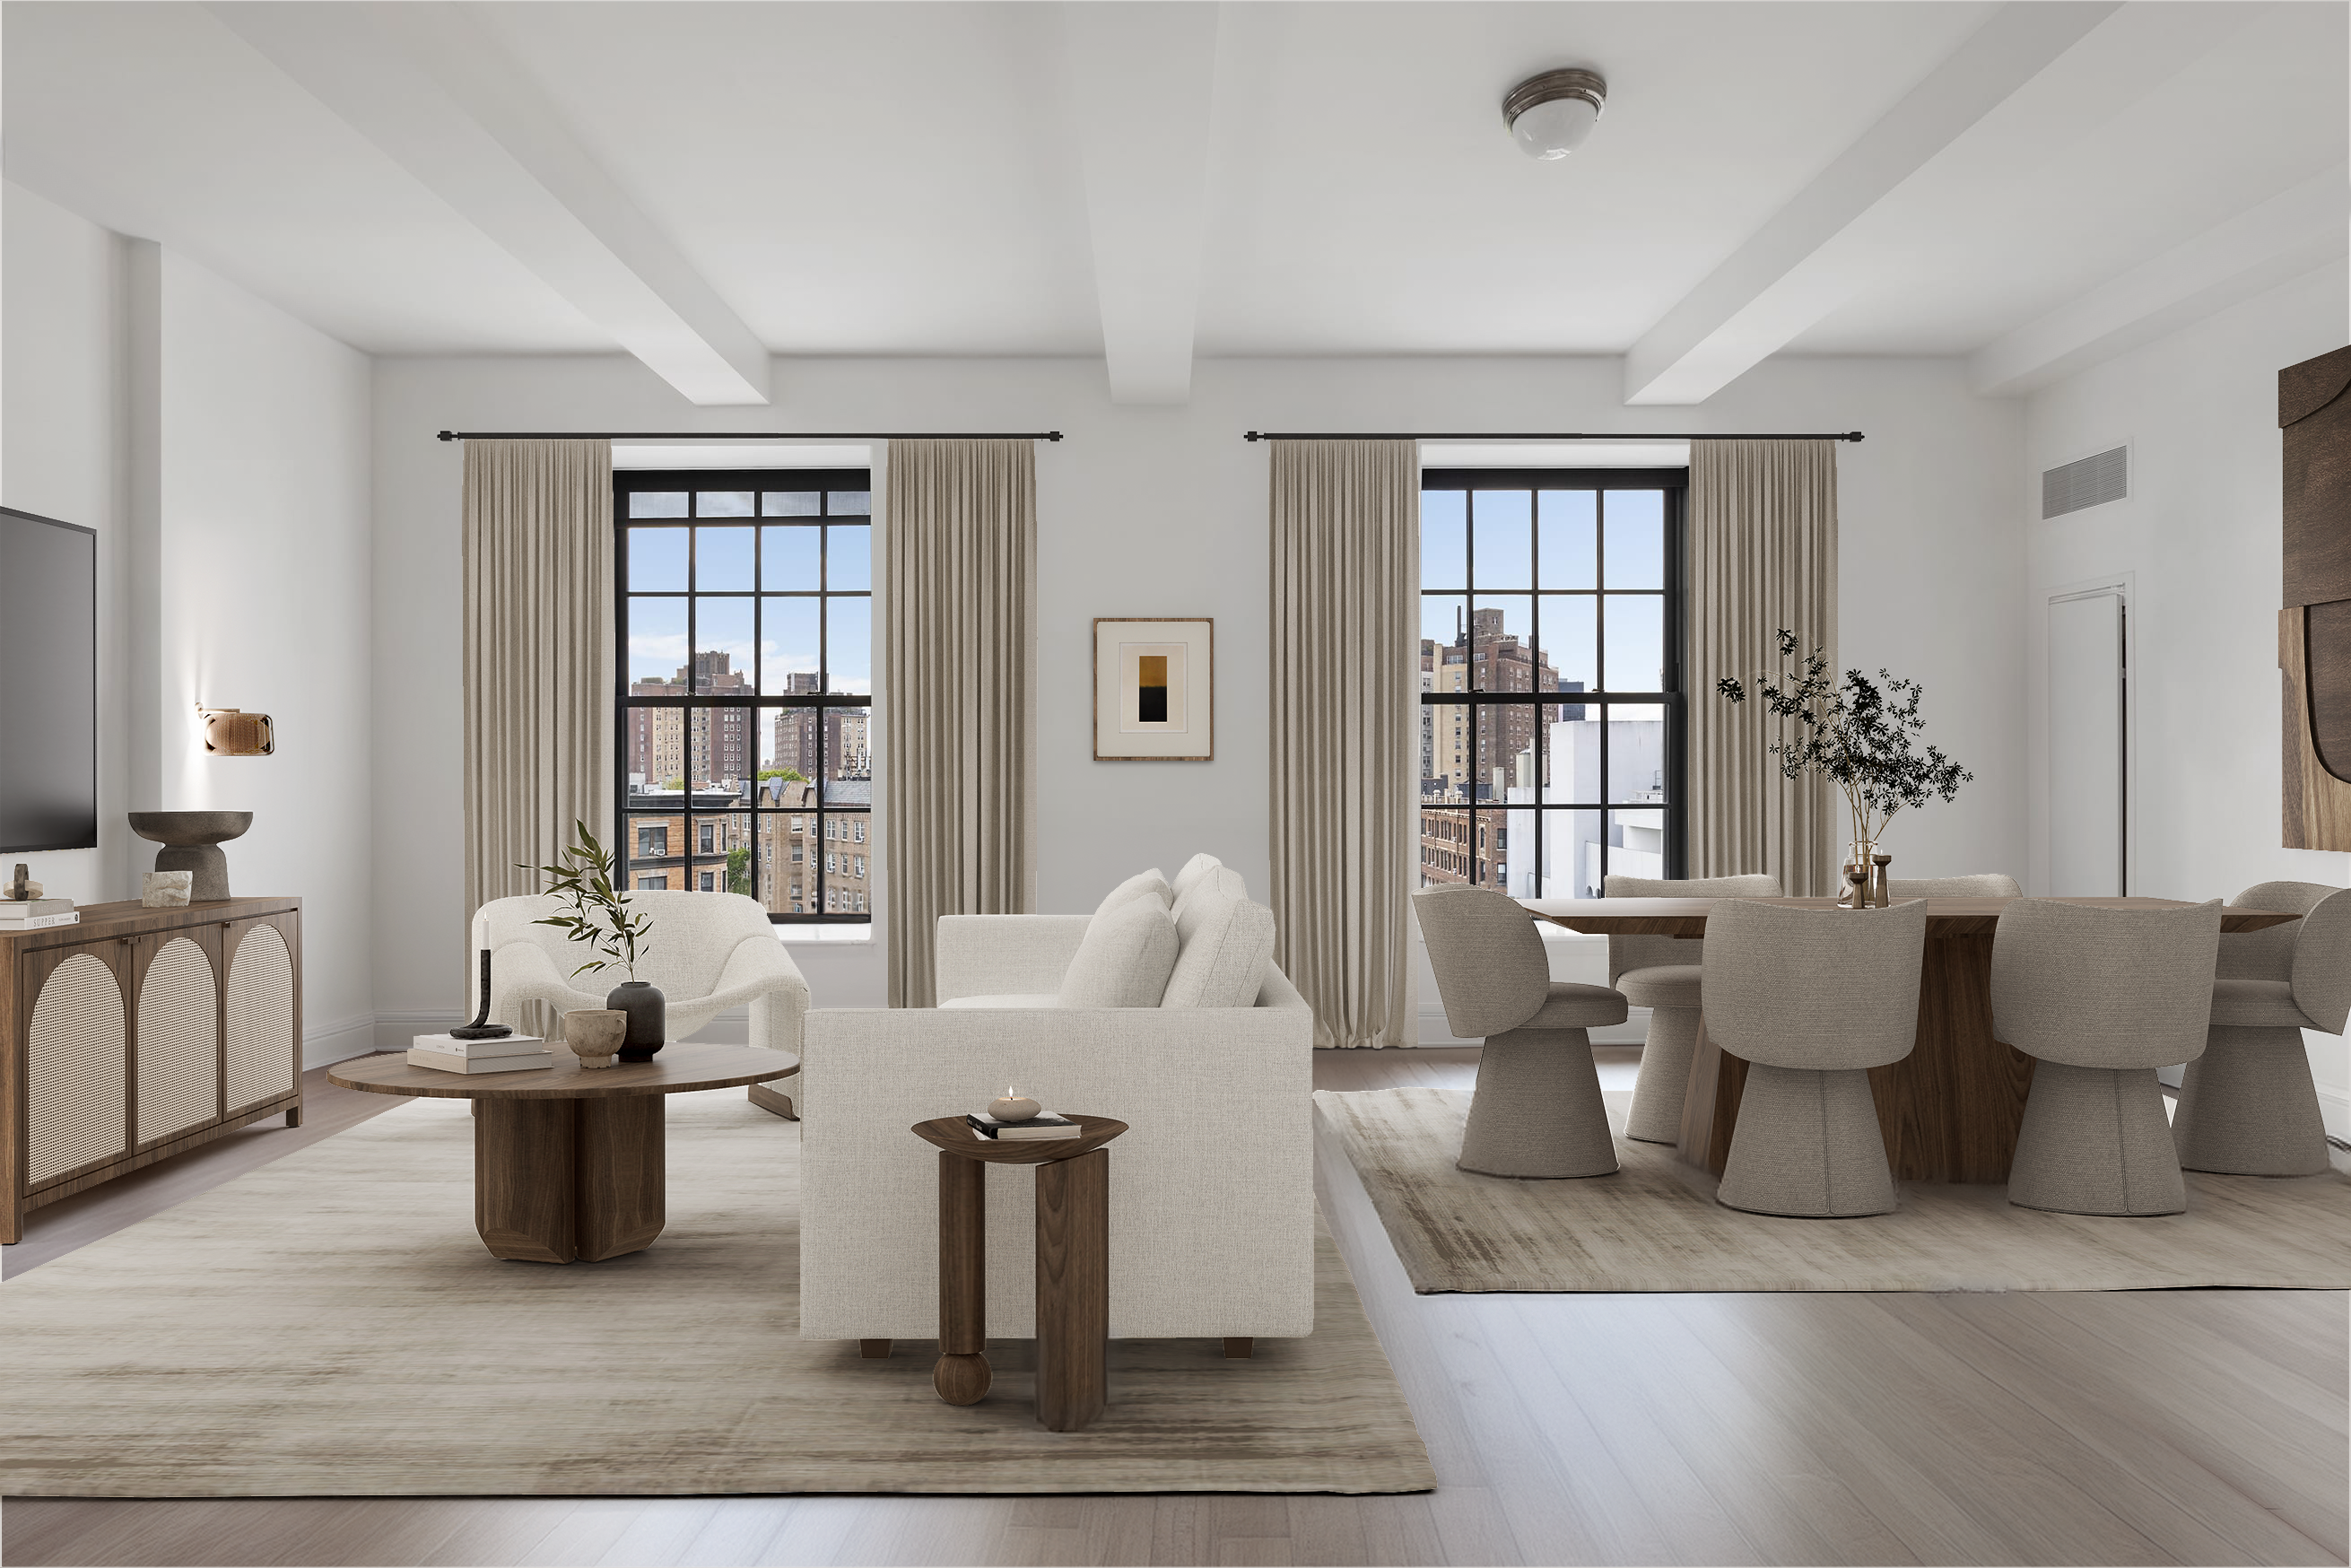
48	684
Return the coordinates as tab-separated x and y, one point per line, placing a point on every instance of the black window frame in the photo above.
1672	700
760	483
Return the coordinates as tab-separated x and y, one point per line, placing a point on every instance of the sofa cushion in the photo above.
1226	942
1195	868
1012	1000
1124	960
1142	885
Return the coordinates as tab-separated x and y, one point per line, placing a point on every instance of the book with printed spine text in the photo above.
1043	1125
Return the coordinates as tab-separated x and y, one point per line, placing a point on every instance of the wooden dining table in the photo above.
1950	1110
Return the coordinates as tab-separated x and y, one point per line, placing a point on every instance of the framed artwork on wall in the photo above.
1154	690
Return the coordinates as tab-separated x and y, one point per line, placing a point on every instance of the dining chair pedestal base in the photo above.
1538	1110
1807	1145
1657	1092
2095	1141
2248	1106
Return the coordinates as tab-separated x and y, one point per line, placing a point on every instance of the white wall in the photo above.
1162	511
2201	533
222	450
64	409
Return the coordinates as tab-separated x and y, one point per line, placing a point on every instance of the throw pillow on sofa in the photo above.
1226	942
1124	959
1195	868
1143	884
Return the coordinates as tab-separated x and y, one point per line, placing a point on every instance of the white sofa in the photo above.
1211	1191
707	952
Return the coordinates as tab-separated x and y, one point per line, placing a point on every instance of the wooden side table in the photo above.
1072	1264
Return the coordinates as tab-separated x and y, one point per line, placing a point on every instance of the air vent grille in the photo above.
2092	482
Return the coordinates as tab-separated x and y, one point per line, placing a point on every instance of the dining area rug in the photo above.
1654	1224
330	1325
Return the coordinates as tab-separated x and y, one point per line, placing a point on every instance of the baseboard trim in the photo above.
339	1042
2334	1110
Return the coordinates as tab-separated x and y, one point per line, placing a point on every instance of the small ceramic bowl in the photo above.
593	1034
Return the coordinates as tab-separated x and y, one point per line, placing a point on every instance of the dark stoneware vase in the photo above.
648	1013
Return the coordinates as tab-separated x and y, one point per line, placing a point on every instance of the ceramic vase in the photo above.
648	1018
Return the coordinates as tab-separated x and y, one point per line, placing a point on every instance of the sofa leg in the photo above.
766	1099
873	1349
1240	1349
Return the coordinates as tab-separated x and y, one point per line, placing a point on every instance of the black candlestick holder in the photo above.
482	1027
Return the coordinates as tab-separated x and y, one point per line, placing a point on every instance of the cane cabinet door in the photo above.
260	1023
176	1040
77	1059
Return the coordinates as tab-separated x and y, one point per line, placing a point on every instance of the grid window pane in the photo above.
849	503
722	559
1571	554
788	646
657	640
1634	641
657	504
657	559
1637	843
1501	642
848	557
789	560
723	504
1571	641
1572	856
1501	539
1636	755
848	644
723	645
1443	539
793	503
1636	538
1444	841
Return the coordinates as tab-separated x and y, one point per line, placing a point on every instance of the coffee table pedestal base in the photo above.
559	1180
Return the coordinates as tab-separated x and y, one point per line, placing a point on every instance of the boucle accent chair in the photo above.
2101	997
1537	1111
1661	973
1989	884
1211	1189
2248	1106
1812	998
707	952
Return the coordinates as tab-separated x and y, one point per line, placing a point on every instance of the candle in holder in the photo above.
1013	1107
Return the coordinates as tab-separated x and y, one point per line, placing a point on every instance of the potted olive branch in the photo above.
598	916
1863	736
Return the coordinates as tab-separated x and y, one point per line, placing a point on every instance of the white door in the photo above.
2089	814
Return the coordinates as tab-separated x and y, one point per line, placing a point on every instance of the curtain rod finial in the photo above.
448	436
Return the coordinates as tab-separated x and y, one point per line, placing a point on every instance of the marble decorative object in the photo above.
166	889
192	842
594	1034
1011	1107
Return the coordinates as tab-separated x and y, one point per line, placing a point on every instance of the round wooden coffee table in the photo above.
569	1164
1072	1264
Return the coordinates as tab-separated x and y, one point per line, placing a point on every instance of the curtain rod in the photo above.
1539	435
749	436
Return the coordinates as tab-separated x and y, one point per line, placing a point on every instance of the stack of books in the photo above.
447	1053
1043	1125
35	913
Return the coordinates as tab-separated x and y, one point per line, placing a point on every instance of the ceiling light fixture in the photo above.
1549	115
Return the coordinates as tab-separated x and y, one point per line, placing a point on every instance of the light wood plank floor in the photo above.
2199	1426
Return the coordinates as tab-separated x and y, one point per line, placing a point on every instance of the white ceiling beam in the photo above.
1762	295
436	92
1141	89
2294	232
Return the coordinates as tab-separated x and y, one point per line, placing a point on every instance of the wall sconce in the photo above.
231	731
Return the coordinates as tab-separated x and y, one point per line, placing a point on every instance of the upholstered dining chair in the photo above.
1538	1110
1812	998
1986	884
2100	999
1661	974
2248	1106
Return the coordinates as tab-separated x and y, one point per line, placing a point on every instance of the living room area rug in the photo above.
1655	1225
330	1325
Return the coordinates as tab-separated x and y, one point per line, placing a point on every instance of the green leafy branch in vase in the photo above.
1859	734
598	917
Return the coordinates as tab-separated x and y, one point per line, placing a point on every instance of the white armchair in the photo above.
707	952
1211	1192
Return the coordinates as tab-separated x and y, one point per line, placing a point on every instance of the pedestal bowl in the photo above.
192	842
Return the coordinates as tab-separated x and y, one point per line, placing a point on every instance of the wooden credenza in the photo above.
138	1033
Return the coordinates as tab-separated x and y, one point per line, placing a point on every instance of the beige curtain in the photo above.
1763	555
1344	732
537	660
957	704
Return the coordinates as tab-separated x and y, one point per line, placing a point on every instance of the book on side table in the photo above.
1044	1124
515	1053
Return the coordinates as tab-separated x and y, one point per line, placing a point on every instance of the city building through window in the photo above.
1537	584
745	709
